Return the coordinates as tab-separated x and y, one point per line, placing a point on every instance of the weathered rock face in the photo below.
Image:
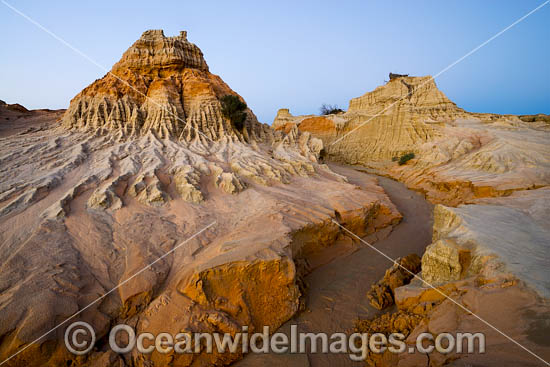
401	115
490	174
493	238
381	294
460	156
418	95
398	322
88	203
491	258
155	54
160	85
426	310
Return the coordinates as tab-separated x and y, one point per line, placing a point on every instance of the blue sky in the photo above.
293	54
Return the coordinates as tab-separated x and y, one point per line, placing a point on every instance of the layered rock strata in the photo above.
459	156
138	166
160	85
490	176
494	272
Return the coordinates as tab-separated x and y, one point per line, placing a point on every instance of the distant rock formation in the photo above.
541	117
391	120
459	158
461	155
16	107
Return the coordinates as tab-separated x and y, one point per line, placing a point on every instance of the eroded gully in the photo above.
336	294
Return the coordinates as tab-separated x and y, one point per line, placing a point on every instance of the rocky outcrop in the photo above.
490	175
418	95
390	120
489	259
459	156
160	85
541	117
402	322
143	163
491	239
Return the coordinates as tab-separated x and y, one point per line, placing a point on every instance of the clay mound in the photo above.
88	202
489	173
161	85
401	115
459	156
419	95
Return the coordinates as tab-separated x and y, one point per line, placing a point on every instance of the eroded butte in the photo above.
489	175
142	161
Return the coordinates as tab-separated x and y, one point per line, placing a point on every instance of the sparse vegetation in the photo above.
322	155
234	109
405	158
327	109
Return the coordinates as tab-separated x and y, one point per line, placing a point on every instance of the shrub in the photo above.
322	155
234	109
405	158
327	109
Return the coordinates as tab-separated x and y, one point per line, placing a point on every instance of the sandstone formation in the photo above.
401	115
160	85
491	257
490	176
144	161
398	322
460	156
491	239
495	272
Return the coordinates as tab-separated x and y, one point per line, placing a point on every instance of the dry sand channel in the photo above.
336	294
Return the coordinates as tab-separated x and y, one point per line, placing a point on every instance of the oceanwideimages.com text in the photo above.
80	338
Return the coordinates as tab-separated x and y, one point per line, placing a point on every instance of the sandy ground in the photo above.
16	122
336	296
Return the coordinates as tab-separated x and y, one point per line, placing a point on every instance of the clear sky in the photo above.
294	54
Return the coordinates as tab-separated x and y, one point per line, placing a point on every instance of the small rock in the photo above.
381	294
